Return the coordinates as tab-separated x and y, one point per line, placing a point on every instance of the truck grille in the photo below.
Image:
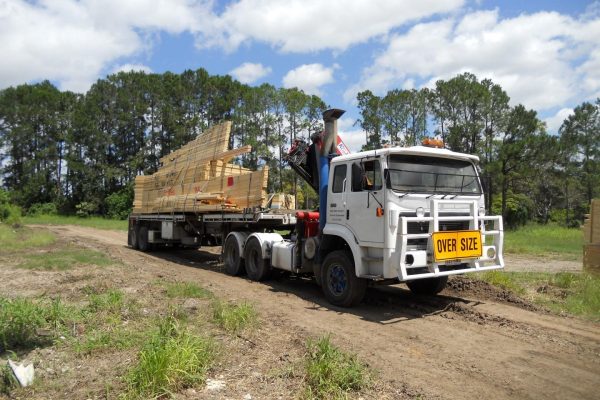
423	227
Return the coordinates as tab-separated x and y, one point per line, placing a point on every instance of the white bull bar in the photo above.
423	259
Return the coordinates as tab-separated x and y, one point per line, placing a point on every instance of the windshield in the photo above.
421	174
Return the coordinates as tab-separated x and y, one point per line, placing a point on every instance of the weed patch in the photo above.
14	239
332	373
187	290
171	360
501	279
234	317
99	341
65	259
26	324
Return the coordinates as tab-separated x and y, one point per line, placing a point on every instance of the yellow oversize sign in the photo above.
454	245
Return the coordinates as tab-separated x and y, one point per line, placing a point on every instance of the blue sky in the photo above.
545	54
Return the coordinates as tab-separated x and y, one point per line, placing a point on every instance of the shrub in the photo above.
42	209
9	213
519	209
118	204
85	209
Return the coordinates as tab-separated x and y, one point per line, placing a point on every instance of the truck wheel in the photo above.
257	267
234	263
428	286
132	239
143	243
340	284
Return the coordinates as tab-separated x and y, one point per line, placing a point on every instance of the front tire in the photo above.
340	284
234	263
428	286
257	267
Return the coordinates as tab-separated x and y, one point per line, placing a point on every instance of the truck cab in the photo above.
412	214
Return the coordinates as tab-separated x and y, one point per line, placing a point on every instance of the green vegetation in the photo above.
545	241
332	373
107	340
234	317
172	359
188	290
565	292
26	324
14	239
8	382
62	259
92	222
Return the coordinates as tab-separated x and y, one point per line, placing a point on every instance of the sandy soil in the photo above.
472	341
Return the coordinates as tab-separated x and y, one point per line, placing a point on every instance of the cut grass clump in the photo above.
501	279
92	222
171	360
563	293
332	373
26	324
65	259
99	341
188	290
234	317
14	239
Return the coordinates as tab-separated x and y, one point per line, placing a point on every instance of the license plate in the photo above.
454	245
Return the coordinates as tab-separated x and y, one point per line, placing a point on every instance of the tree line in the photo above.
81	152
527	173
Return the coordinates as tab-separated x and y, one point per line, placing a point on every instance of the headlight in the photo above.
482	211
420	212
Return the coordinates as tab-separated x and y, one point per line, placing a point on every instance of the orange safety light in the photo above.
430	142
379	212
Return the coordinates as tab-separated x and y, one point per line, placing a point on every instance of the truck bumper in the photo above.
420	263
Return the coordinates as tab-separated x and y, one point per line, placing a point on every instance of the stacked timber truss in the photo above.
200	178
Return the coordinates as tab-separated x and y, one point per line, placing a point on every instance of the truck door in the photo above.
336	200
364	204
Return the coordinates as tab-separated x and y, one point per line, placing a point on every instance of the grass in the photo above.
14	239
563	293
92	222
172	359
26	324
545	240
109	340
187	290
332	373
63	259
234	317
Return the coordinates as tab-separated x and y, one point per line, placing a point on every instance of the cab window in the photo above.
366	176
339	175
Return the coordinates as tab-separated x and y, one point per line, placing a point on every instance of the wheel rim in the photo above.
338	281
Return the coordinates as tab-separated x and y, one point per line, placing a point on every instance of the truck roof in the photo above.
413	150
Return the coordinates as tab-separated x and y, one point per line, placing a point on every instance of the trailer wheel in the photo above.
340	284
142	240
257	267
234	263
132	238
428	286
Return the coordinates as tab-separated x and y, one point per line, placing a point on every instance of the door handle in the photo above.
347	214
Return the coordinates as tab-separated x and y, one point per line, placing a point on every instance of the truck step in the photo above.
372	277
372	259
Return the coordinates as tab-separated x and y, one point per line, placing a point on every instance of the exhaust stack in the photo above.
326	152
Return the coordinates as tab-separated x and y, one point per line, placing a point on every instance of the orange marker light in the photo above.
379	212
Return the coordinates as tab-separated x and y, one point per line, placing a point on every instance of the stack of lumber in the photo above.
199	178
591	235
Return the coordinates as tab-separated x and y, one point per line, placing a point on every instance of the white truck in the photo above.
413	215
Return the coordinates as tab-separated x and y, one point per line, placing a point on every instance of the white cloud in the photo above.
554	123
312	25
250	72
309	78
132	67
73	42
542	60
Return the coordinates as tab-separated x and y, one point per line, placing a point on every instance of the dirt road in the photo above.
470	342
